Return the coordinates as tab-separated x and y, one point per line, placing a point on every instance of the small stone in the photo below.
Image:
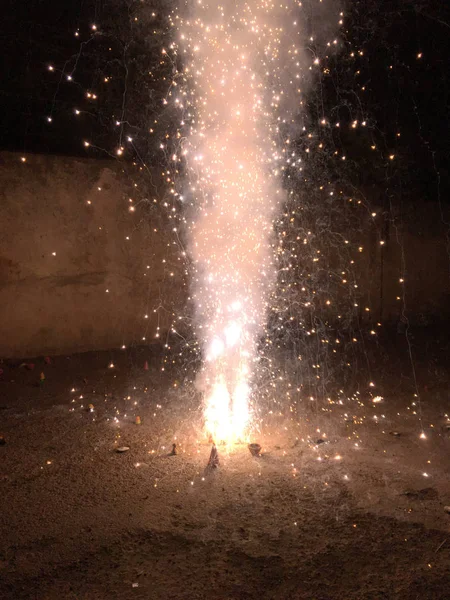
447	509
2	441
320	441
174	451
395	433
122	449
255	449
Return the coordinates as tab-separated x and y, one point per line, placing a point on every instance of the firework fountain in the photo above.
243	66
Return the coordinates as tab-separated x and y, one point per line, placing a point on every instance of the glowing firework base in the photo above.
227	417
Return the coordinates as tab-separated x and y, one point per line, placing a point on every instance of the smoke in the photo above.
246	65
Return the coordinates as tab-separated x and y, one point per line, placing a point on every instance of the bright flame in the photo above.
217	412
227	415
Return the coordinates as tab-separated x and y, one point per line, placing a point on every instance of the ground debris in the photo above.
424	494
214	461
255	449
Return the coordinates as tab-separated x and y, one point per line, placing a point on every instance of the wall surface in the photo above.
78	270
408	278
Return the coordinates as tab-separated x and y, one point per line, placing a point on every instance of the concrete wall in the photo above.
95	291
112	267
417	253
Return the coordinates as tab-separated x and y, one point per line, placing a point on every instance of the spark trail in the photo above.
243	65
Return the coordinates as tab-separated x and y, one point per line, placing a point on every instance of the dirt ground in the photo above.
346	502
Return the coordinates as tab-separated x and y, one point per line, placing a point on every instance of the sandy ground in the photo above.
358	516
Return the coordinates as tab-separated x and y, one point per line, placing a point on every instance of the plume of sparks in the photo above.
238	63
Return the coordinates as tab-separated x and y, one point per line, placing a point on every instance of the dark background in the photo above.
402	94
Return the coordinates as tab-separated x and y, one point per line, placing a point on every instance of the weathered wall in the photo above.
112	267
409	276
95	291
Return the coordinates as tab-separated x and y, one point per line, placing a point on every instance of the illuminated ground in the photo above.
323	521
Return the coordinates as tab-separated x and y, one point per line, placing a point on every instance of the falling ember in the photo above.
237	63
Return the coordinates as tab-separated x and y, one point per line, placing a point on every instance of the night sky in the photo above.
34	35
404	73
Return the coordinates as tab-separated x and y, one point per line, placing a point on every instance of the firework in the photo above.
238	62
